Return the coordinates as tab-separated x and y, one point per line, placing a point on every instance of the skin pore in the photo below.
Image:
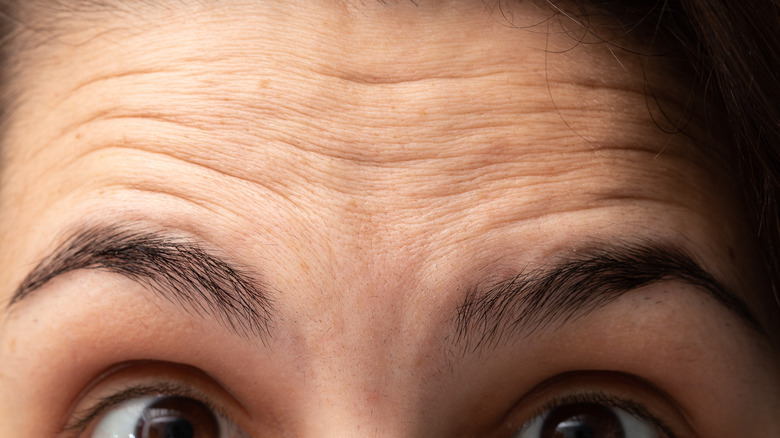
367	169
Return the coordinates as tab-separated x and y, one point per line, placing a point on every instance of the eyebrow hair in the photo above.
492	314
175	268
181	271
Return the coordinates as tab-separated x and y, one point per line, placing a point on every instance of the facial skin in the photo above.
367	168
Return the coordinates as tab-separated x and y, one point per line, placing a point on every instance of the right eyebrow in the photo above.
174	267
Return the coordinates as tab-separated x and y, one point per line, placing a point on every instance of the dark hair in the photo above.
733	48
741	43
737	45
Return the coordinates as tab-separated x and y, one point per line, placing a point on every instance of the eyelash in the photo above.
82	420
627	405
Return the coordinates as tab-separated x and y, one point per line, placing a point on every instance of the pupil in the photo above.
177	417
582	420
168	428
178	428
574	429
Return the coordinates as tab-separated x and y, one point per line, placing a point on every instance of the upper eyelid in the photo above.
628	405
80	423
83	418
570	387
632	393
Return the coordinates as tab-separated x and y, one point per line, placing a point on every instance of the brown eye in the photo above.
176	417
163	417
582	420
588	420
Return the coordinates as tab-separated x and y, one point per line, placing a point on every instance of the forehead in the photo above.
371	163
362	138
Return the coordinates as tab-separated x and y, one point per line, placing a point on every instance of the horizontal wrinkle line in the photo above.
170	194
103	78
324	152
548	214
105	115
368	159
594	86
180	159
646	149
364	79
138	187
665	203
371	159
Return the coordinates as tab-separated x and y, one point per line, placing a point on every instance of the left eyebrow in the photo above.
176	268
576	286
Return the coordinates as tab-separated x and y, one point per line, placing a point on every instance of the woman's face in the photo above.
327	219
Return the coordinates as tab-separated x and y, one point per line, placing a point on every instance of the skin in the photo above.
368	162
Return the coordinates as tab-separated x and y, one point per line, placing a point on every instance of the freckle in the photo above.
262	83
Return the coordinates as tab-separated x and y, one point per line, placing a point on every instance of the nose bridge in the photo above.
353	391
363	372
362	340
360	416
384	407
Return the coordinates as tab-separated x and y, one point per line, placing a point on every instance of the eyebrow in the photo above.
575	286
176	268
181	271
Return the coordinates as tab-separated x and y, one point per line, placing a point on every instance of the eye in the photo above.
163	417
589	420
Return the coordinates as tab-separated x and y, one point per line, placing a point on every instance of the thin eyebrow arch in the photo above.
492	314
176	268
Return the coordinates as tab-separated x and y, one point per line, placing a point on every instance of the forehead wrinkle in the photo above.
468	121
361	145
194	146
247	126
337	133
200	174
395	60
461	166
461	141
397	190
378	216
488	152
